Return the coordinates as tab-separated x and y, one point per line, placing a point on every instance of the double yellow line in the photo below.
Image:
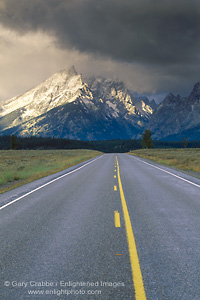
135	265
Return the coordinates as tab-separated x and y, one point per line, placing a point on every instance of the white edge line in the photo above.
195	184
40	187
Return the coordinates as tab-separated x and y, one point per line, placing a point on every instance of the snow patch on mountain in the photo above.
66	106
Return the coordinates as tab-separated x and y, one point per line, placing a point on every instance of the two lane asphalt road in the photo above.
114	228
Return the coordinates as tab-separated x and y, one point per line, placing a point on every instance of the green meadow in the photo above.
183	159
18	167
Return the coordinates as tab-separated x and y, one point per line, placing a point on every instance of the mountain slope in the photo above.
66	106
177	118
62	87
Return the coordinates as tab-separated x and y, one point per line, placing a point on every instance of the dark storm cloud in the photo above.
145	31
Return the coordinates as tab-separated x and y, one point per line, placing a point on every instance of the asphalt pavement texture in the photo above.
59	239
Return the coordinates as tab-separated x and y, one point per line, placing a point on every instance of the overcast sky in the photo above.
152	45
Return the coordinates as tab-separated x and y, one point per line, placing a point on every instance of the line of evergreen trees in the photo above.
108	146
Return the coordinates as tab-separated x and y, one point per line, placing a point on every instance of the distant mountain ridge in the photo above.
66	106
177	117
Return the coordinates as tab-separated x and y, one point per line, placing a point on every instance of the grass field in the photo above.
183	159
18	167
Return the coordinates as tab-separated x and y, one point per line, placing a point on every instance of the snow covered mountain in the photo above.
66	106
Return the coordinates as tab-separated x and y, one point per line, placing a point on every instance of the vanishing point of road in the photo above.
115	227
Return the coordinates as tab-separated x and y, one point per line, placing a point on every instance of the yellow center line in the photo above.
135	265
115	188
117	219
115	176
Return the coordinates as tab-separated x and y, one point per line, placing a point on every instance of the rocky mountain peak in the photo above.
64	76
67	106
177	117
71	71
197	88
61	88
153	104
170	98
195	94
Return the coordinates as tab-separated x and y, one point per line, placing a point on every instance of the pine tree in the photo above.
146	139
185	142
13	142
